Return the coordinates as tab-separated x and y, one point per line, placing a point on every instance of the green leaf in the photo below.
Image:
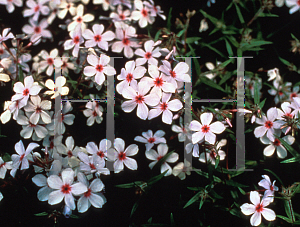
256	93
172	220
267	15
204	174
284	61
74	216
156	178
157	35
129	185
294	159
193	199
229	49
179	34
261	105
284	218
6	157
275	175
213	49
211	83
242	191
211	18
134	207
197	66
169	19
239	13
41	214
226	77
192	39
235	184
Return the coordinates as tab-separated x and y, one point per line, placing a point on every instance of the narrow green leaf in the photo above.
241	18
284	218
256	93
134	207
235	184
211	83
169	19
229	49
214	49
41	214
156	178
275	175
193	200
192	39
204	174
294	159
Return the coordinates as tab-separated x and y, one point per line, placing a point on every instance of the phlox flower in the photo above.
103	149
99	68
35	8
274	74
22	157
37	30
206	130
58	88
41	181
162	150
125	34
165	107
64	188
142	14
181	130
294	93
75	41
149	139
92	164
64	7
39	109
270	188
106	4
93	112
4	166
121	155
268	124
24	90
10	4
48	61
64	64
154	9
79	19
293	4
148	55
182	169
295	104
137	94
211	155
96	37
92	195
258	209
121	15
6	34
128	74
122	2
65	118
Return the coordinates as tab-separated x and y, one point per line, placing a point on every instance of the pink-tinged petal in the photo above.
89	71
40	180
26	132
195	126
281	152
31	147
69	201
140	52
92	59
34	90
128	106
196	137
41	131
143	88
88	34
206	118
55	197
168	87
162	149
175	105
25	164
97	200
54	182
269	150
28	29
19	87
172	158
181	68
260	131
154	113
68	176
130	163
84	157
129	93
265	183
167	117
152	61
117	47
210	137
255	219
43	193
270	134
119	144
110	71
128	52
143	22
88	17
103	45
268	214
140	138
149	146
149	45
140	61
108	36
45	117
152	99
69	44
151	154
142	111
165	166
272	114
19	148
254	197
78	188
69	119
217	127
90	43
159	133
83	204
96	185
132	150
99	78
118	166
247	209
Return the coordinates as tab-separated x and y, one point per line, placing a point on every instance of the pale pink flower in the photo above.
35	8
258	209
165	107
162	150
75	41
182	169
4	166
128	74
92	164
121	155
154	9
121	15
10	4
106	4
102	150
270	188
122	2
295	104
58	88
142	14
182	130
37	30
79	19
211	155
65	188
92	195
64	7
293	4
149	139
206	129
5	35
48	61
137	94
96	37
93	112
41	181
148	55
99	67
39	109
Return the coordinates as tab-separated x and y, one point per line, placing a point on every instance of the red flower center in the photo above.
173	74
122	16
64	64
99	68
37	30
2	165
205	128
139	99
66	189
276	142
76	39
70	154
100	154
79	19
50	61
95	113
25	92
158	82
280	93
151	140
38	109
92	166
293	94
68	6
259	208
88	193
148	55
144	12
268	124
1	51
271	188
159	158
36	8
129	77
289	115
126	41
163	106
122	156
97	38
298	2
21	157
